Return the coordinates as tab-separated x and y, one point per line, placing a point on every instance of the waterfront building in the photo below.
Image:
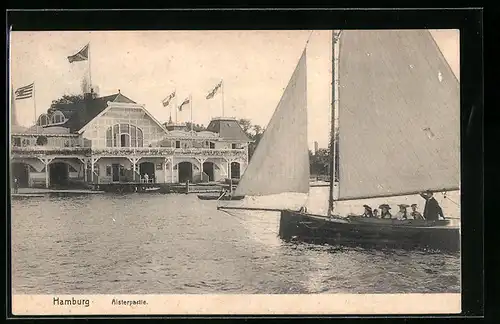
113	139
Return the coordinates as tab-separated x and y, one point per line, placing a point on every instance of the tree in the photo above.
319	162
196	127
65	100
245	124
254	132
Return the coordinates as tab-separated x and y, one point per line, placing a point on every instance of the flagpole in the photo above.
12	109
222	93
170	113
90	69
191	108
34	103
176	108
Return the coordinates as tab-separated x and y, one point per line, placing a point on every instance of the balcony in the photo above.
168	151
35	151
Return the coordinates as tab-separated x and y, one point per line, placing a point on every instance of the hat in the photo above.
367	207
384	206
403	205
413	205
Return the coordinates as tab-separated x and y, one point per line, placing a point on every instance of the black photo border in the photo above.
469	21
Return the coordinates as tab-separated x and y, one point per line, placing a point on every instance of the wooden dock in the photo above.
164	188
125	187
42	192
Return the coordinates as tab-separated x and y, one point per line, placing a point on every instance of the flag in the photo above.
212	93
185	102
25	92
167	100
82	55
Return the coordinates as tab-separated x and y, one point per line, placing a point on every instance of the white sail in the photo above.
280	163
399	108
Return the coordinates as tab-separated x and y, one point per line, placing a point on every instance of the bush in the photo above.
41	140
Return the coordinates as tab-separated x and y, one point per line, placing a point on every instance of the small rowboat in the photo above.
216	197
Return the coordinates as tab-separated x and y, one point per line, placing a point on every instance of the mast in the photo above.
333	153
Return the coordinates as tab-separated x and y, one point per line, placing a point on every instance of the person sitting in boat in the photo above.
375	213
384	211
432	210
402	213
414	213
368	211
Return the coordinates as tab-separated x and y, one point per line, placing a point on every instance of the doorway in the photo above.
208	169
147	168
59	174
115	168
185	172
235	170
20	171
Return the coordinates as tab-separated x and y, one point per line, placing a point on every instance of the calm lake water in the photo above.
163	244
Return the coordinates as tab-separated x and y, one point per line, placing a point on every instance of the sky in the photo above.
147	66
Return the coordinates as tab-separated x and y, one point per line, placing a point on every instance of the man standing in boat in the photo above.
432	210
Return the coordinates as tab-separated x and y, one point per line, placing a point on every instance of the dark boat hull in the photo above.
214	197
370	233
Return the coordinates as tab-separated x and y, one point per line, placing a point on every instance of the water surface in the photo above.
165	244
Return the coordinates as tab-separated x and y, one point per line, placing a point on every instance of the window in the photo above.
212	145
43	120
109	137
57	117
124	135
108	170
122	170
234	146
16	141
177	144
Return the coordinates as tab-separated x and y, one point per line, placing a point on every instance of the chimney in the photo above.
93	94
88	96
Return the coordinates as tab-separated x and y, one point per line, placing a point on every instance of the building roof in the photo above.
81	113
228	129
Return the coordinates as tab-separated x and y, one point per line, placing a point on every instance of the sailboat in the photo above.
395	114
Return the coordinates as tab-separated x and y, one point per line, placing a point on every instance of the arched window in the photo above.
43	120
58	117
124	135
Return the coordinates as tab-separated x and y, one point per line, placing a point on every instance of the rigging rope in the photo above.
446	197
309	37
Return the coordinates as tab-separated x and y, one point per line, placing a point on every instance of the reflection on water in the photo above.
153	243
